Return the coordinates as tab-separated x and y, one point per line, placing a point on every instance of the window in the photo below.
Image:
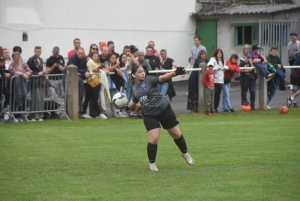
245	34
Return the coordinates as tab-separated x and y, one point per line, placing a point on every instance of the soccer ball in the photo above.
119	100
283	110
246	108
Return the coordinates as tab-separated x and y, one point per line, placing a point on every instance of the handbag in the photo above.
93	81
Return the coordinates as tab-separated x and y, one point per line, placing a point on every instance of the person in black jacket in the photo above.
4	86
36	64
153	60
248	81
79	60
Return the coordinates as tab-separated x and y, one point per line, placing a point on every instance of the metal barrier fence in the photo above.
37	96
44	94
277	33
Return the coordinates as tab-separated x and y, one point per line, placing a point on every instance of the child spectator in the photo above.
209	89
257	59
190	65
248	81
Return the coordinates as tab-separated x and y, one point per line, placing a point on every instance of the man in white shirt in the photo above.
197	48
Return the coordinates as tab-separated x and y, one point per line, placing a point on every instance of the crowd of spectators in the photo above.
36	79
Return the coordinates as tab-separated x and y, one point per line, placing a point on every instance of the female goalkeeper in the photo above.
157	110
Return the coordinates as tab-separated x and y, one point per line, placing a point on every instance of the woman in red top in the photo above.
233	66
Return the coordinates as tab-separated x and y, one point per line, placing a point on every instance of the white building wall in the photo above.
57	23
225	32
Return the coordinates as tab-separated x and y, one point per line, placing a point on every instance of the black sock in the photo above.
180	142
151	149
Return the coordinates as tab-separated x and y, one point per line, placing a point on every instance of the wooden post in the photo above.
201	100
262	92
72	92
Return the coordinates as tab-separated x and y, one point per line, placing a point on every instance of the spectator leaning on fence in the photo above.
104	56
233	66
36	84
274	66
92	93
192	102
111	48
55	65
21	73
167	64
131	58
79	60
4	84
7	58
115	81
93	48
155	52
124	67
152	59
143	62
219	68
246	49
295	82
19	49
258	61
248	81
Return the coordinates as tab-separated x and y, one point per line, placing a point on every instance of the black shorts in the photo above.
167	119
295	81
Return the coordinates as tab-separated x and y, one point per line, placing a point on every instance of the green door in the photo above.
207	30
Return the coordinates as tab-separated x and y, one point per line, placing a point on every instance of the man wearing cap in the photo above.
56	65
293	48
248	81
101	45
257	60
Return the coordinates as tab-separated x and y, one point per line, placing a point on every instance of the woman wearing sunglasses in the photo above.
93	48
152	59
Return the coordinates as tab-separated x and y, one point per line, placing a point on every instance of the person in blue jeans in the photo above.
258	61
248	81
233	66
166	64
275	66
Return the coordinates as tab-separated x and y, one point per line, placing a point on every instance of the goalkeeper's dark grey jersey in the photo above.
147	93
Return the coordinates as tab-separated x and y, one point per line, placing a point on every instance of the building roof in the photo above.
250	9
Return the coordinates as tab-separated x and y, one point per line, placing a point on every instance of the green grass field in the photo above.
242	156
